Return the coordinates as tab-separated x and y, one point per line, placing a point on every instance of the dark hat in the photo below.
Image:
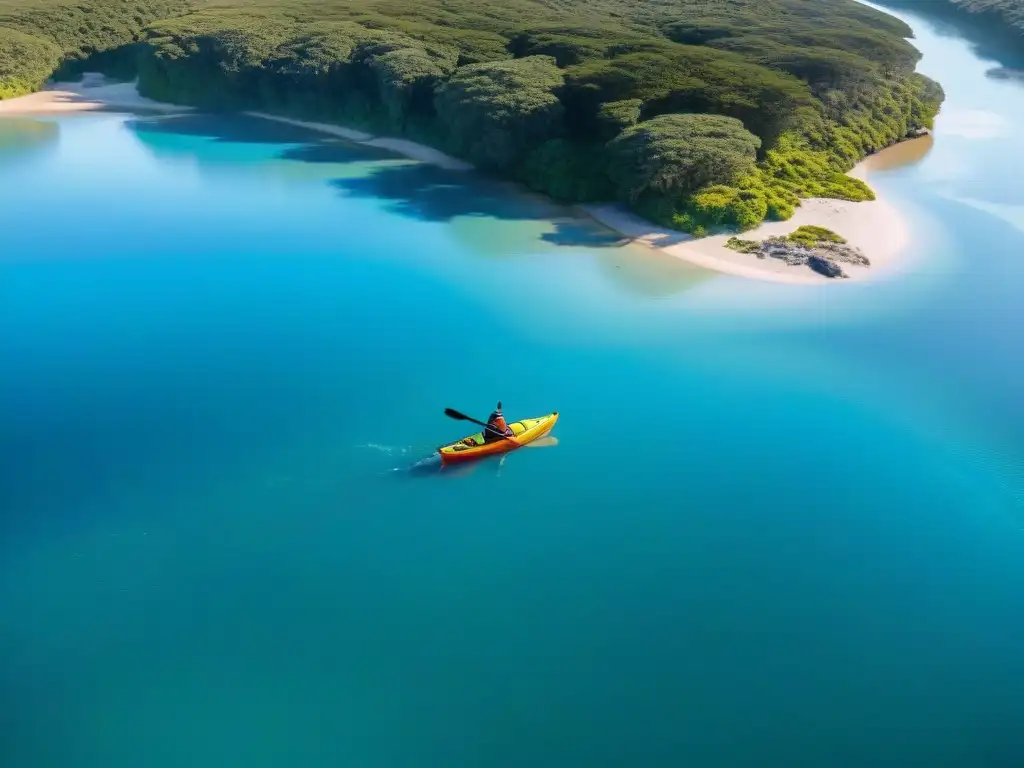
499	405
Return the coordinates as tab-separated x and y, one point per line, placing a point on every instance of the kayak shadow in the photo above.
428	467
432	466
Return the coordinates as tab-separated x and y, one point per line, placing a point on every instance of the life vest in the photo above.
496	422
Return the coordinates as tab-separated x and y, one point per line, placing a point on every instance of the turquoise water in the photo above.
782	526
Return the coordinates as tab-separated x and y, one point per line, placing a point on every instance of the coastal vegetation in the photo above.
41	38
699	116
740	245
817	248
808	236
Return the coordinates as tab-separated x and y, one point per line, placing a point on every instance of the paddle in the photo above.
451	413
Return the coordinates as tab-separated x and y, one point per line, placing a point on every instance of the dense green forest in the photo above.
697	113
37	37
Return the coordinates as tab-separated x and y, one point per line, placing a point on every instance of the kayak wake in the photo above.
431	465
389	450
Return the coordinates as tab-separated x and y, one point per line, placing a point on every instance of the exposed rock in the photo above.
846	254
792	253
824	258
824	266
916	133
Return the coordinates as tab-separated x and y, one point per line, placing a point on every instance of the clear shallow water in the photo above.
803	543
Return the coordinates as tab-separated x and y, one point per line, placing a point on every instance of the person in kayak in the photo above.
496	426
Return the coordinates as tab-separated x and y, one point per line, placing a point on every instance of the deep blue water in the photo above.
782	527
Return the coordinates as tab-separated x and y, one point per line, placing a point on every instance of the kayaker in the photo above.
496	426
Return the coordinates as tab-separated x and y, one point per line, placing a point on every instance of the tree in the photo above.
406	79
675	155
615	116
495	113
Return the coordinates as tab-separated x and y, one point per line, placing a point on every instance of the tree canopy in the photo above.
493	113
675	155
582	99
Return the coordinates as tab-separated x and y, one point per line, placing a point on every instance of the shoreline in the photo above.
876	227
406	147
93	93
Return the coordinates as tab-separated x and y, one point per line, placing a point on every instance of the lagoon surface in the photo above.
783	525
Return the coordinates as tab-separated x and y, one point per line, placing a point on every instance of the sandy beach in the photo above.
876	227
94	92
404	147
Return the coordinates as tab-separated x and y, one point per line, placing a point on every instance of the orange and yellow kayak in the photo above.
473	447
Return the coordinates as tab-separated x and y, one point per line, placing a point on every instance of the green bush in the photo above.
615	116
743	246
675	155
810	236
732	207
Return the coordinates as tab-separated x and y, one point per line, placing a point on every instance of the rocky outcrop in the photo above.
824	258
824	266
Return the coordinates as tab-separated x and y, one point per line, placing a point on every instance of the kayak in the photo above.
473	447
